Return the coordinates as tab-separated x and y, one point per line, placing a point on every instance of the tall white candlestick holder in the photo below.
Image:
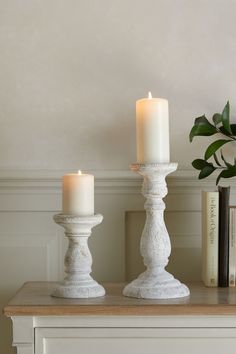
78	282
155	247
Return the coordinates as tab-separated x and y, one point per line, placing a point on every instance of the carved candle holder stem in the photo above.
155	247
78	282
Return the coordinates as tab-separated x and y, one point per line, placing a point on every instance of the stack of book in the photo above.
218	239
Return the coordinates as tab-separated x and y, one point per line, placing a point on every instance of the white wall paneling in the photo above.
37	250
32	246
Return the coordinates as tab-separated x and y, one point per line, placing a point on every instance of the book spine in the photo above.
232	247
210	238
224	236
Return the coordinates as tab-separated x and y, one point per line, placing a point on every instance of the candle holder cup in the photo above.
155	247
78	282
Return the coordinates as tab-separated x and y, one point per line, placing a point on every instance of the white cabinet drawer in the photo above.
135	341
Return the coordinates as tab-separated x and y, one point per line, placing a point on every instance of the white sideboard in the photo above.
203	323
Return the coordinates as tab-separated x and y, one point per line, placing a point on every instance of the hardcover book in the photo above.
224	236
232	246
210	238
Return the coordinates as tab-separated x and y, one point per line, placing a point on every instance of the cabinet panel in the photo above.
134	341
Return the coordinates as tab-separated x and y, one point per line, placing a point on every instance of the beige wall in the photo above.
70	72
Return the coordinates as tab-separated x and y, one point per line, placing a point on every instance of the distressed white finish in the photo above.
155	282
78	282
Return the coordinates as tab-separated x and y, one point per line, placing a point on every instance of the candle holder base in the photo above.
155	247
78	282
80	290
156	286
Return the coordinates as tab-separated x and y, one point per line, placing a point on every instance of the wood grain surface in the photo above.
34	299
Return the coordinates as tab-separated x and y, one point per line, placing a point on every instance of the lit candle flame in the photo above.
149	95
79	173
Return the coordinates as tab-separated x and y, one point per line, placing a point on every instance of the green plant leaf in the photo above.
199	164
218	178
220	124
224	131
217	118
233	129
202	127
212	148
216	159
228	173
202	120
206	171
226	118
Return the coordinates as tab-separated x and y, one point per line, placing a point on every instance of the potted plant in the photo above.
220	126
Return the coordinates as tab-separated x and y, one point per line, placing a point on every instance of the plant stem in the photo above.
228	136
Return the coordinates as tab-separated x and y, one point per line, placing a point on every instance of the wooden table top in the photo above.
34	299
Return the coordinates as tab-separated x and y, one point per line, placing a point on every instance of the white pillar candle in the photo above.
78	194
152	130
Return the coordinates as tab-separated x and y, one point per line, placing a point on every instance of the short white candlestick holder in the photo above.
78	282
155	247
